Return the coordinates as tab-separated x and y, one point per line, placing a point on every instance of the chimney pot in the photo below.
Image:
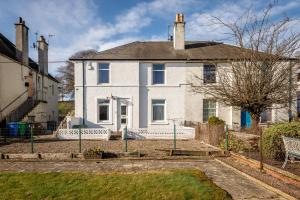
179	18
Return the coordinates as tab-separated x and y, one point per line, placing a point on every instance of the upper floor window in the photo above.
158	110
103	109
158	74
209	109
209	74
103	73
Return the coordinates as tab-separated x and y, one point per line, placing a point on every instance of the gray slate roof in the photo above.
163	50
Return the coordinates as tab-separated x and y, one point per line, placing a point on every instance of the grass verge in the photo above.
169	184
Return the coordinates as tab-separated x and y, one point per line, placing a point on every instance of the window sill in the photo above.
104	84
162	84
105	123
159	123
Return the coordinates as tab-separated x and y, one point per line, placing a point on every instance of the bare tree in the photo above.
66	74
261	73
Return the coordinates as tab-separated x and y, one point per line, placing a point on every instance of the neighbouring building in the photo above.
26	87
146	84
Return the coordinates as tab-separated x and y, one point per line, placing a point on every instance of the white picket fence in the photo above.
86	134
182	133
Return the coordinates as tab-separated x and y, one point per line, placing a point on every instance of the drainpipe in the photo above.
83	93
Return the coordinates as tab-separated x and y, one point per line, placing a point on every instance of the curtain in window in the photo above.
158	110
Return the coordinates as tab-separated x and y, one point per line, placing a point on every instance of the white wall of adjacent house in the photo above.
12	84
46	110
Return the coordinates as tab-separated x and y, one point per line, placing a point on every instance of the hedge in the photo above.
273	146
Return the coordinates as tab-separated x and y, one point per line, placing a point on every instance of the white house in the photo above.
26	87
146	84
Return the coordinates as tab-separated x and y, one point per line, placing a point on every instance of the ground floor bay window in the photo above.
209	109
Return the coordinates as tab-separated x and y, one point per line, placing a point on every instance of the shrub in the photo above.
93	153
215	121
273	146
235	145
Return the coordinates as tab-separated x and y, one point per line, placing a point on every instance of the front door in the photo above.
123	114
245	119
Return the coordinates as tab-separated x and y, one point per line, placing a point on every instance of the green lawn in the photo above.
171	184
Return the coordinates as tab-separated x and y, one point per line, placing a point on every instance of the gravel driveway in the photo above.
49	144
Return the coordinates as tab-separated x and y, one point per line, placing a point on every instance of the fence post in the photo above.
126	145
226	144
79	139
31	137
174	147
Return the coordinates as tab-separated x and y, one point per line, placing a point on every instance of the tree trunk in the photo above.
257	129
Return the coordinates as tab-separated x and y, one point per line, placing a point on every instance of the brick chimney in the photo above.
179	26
22	41
43	55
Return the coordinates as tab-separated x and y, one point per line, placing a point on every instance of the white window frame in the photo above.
165	112
152	74
109	121
209	64
208	109
123	116
99	71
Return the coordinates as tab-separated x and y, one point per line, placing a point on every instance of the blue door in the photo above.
245	119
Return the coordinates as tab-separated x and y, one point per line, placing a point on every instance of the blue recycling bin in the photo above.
13	128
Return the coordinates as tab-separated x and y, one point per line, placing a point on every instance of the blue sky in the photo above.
102	24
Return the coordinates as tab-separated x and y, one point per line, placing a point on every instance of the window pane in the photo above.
209	109
209	74
103	66
123	110
123	120
158	67
158	77
158	111
103	112
103	101
158	74
103	76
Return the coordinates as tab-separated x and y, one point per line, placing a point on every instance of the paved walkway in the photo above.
239	186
